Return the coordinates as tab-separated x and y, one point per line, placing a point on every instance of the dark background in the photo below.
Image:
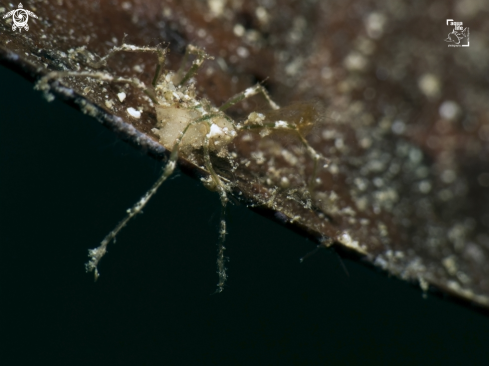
65	182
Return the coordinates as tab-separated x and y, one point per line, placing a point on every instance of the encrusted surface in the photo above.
402	117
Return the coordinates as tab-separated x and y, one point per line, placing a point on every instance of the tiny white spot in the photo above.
239	30
126	5
375	23
215	131
242	52
133	112
398	127
201	33
121	96
430	85
355	62
261	14
424	186
448	176
449	110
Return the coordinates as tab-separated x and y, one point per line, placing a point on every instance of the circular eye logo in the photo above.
20	18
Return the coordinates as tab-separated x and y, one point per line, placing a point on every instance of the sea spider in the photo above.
186	124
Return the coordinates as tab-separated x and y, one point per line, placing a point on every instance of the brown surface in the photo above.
407	187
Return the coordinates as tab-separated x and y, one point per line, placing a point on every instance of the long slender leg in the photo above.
160	52
201	57
251	91
221	259
43	83
315	156
97	253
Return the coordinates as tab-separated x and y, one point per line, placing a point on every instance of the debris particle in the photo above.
430	85
122	96
134	112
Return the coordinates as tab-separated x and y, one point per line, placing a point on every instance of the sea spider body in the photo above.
177	107
189	126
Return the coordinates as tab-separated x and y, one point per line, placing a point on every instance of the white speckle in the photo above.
262	14
284	182
201	33
381	262
133	112
328	134
216	7
361	183
334	169
415	155
248	92
256	118
121	96
126	5
375	23
424	186
259	157
448	176
430	85
450	265
449	110
167	12
137	68
239	30
378	182
108	104
215	131
289	157
398	127
281	124
423	284
294	67
242	52
339	143
355	62
362	203
346	239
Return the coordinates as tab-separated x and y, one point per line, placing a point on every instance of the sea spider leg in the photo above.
161	53
97	253
201	57
43	85
251	91
221	259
